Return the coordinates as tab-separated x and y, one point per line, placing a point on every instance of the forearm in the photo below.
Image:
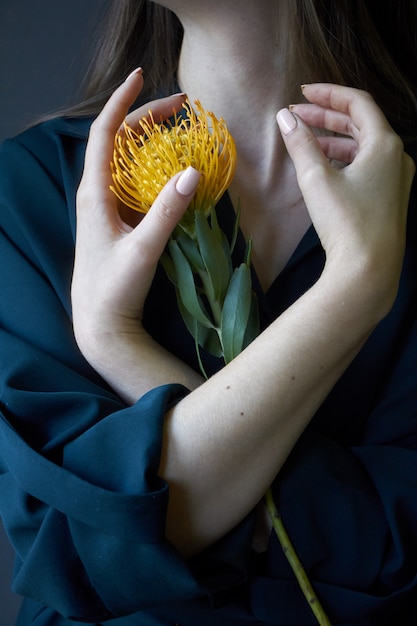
133	363
226	441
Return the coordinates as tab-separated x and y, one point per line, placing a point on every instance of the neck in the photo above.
236	63
233	60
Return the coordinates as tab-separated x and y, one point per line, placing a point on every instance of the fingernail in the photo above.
188	181
180	93
286	121
135	72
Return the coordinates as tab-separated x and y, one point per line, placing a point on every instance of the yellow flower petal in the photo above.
143	163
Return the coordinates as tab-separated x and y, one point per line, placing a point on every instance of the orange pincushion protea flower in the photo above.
143	163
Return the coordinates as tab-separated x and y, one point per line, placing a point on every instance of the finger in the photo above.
342	149
302	145
377	141
152	234
161	110
96	203
326	119
101	139
358	105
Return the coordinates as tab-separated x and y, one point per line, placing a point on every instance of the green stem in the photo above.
294	561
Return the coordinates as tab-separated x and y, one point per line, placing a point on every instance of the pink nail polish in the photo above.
135	72
286	121
188	181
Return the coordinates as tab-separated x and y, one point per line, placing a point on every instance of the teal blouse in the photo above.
80	494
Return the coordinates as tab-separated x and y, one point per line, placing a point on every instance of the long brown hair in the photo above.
369	44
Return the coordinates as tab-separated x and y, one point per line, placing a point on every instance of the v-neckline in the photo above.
226	217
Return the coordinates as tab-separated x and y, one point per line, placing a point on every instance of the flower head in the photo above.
143	163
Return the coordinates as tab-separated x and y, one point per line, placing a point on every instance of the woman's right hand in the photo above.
116	258
359	210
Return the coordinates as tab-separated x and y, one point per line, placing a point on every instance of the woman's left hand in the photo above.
359	210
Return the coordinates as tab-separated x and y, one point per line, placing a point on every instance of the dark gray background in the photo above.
43	50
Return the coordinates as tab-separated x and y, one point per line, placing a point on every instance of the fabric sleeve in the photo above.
79	492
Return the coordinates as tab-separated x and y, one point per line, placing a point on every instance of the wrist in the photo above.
99	338
362	288
131	361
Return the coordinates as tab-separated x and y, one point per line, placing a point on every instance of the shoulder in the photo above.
55	129
47	156
77	128
40	173
50	145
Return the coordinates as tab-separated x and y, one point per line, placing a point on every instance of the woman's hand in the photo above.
359	210
115	262
117	251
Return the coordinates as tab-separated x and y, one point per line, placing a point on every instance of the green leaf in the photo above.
169	268
227	255
206	338
215	228
235	228
214	258
190	321
236	310
252	326
186	285
191	251
209	339
248	251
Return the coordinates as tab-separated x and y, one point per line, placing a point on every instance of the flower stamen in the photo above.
143	162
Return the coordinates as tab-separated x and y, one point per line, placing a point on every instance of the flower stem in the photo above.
294	561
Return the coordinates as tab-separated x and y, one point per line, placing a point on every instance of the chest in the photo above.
275	237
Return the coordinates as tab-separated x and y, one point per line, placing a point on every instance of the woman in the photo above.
98	432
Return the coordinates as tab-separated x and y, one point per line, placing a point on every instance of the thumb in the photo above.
302	146
154	230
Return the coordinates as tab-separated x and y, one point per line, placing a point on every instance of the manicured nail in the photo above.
135	72
286	121
188	181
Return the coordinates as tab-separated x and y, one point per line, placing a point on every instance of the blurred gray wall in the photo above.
43	49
